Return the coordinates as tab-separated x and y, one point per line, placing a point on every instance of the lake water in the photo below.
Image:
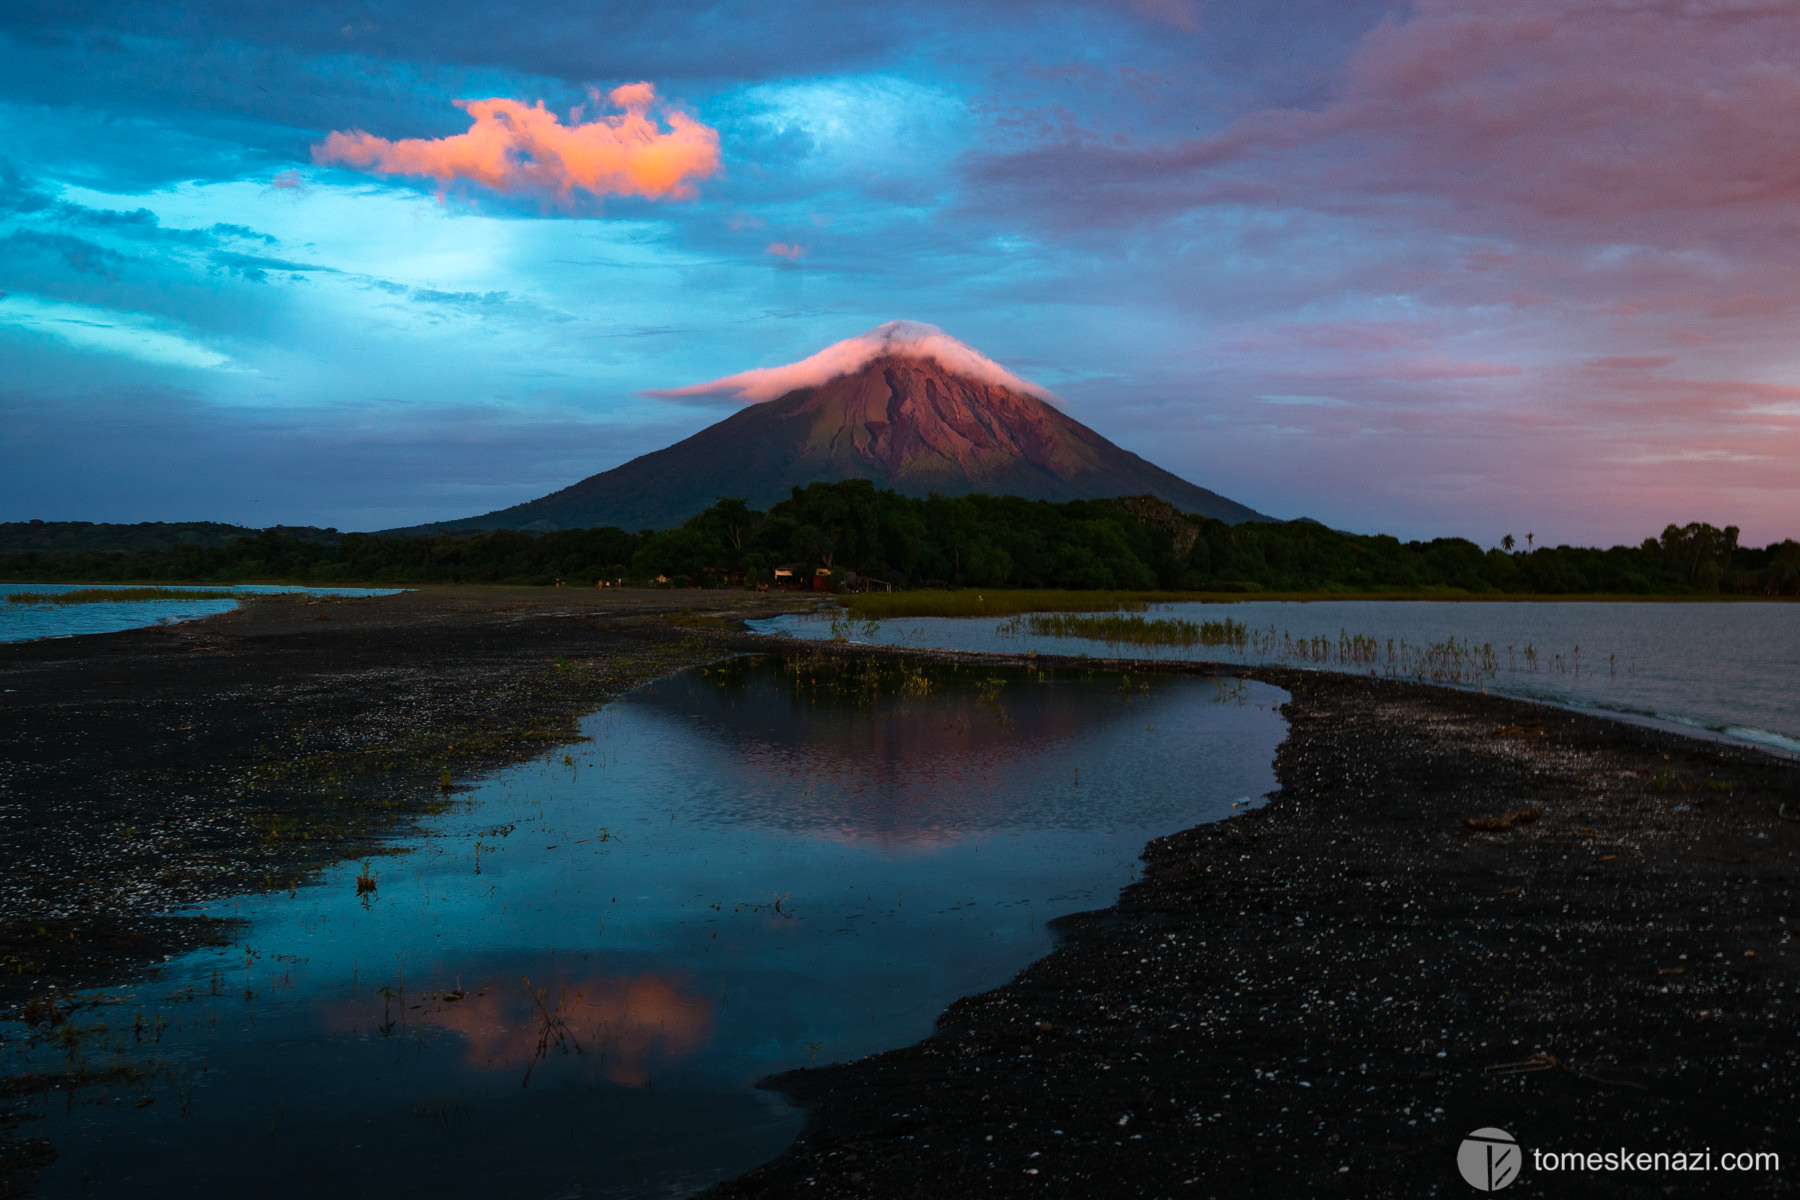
1728	669
568	985
28	622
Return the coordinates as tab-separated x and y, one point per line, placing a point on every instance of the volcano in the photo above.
904	406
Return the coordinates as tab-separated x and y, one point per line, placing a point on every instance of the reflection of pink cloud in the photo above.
514	147
626	1021
785	249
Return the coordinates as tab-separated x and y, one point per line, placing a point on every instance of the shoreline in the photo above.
241	751
676	595
1323	996
1376	778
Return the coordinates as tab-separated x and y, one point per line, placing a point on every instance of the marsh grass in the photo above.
1453	661
859	682
1115	630
118	595
1004	602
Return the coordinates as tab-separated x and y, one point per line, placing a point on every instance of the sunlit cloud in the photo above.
288	181
519	148
786	249
97	329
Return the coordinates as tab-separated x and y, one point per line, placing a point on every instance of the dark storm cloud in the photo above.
566	39
79	254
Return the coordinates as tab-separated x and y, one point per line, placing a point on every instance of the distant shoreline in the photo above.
1102	598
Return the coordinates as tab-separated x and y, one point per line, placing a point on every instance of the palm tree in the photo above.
1528	538
1507	543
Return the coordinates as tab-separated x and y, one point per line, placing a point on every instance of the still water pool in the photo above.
28	622
1729	669
568	985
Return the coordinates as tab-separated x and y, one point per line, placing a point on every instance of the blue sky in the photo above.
1425	269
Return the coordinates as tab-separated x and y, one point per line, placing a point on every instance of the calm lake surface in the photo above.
27	622
568	984
1731	669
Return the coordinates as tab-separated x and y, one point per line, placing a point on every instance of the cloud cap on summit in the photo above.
906	339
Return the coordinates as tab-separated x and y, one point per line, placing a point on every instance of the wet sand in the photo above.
1306	1000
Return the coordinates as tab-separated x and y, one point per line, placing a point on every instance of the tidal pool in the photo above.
569	984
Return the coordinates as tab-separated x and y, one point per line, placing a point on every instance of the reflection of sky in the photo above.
24	622
1448	267
1728	668
729	878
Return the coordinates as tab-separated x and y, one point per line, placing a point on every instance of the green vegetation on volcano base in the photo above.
1140	546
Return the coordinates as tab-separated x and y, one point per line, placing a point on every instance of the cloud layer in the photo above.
912	339
519	148
1439	267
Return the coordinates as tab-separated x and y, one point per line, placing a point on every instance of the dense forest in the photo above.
861	534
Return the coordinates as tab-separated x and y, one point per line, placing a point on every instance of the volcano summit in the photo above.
904	405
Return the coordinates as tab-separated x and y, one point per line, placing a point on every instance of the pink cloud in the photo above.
513	147
1631	120
1178	14
785	249
1632	362
1568	111
1582	455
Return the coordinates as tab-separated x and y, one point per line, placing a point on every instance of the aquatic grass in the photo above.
1114	630
1005	602
857	681
1453	661
119	595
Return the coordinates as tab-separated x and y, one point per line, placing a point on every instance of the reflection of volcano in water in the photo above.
988	749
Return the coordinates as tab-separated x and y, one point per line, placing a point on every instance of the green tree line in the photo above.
854	529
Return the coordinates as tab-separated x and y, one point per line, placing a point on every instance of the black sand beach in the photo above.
1320	997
